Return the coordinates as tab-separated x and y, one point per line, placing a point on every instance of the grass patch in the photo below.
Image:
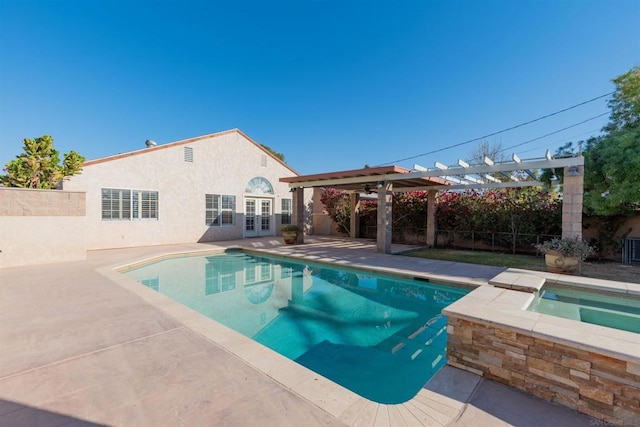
528	262
608	270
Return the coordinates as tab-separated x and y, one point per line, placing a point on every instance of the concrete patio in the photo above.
80	345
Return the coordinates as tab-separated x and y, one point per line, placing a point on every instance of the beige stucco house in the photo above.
214	187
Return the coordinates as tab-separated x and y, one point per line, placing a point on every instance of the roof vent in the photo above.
149	143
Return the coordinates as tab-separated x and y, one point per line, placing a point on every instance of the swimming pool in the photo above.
604	309
382	337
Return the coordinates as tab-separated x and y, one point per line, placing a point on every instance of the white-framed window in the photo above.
266	272
216	282
259	185
116	204
145	204
258	273
124	204
220	209
211	280
286	211
250	275
227	282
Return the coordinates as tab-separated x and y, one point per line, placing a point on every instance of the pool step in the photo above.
425	339
415	351
437	323
423	336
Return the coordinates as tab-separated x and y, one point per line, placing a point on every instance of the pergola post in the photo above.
572	196
354	226
431	219
298	212
384	223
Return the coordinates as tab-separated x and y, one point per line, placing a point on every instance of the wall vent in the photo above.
188	154
263	160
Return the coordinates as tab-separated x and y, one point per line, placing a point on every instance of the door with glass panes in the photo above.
258	217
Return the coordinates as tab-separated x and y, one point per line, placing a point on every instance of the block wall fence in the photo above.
41	226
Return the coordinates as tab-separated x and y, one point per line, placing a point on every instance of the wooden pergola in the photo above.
385	180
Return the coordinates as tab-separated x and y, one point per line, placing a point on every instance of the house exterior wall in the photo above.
41	226
223	163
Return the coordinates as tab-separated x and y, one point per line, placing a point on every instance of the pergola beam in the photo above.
452	171
496	167
471	186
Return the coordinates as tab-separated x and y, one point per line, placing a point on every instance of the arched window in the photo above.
259	185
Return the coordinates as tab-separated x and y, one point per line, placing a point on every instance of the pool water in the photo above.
382	337
613	311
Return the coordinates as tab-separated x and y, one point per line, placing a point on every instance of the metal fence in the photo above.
469	240
631	250
409	235
491	241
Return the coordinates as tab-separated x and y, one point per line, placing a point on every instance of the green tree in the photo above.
612	180
625	102
612	161
39	165
612	165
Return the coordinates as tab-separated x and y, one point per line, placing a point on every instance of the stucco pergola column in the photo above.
431	219
354	226
298	212
384	225
572	195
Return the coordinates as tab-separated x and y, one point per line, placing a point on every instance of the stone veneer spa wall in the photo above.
589	368
601	386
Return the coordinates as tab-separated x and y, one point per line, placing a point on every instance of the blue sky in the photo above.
333	85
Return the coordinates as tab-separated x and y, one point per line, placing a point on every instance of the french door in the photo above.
258	215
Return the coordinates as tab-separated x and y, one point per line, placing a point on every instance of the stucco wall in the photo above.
631	227
322	225
593	232
223	163
41	226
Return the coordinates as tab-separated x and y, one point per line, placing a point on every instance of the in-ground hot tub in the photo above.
577	362
611	309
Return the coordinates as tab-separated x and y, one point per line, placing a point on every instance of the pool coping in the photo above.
434	404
